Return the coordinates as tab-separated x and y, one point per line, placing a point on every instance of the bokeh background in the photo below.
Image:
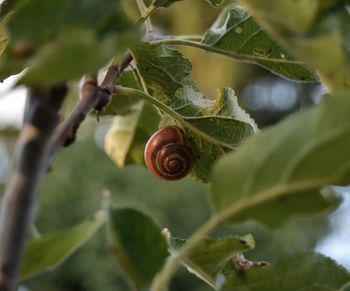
73	190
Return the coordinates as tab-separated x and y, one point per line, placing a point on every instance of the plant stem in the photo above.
18	205
163	278
142	95
192	43
185	121
147	13
143	8
91	96
40	141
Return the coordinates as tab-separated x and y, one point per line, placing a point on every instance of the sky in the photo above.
12	103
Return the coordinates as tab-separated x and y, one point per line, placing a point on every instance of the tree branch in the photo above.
92	97
38	144
18	205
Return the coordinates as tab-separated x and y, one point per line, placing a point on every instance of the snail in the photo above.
167	156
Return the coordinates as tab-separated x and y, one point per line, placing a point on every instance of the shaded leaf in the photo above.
7	6
138	246
280	172
236	34
77	44
68	58
168	3
3	38
49	251
297	236
212	126
309	271
210	256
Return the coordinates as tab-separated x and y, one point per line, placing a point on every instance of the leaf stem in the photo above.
193	43
142	95
163	278
147	13
143	8
123	91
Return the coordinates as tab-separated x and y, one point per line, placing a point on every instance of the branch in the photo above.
38	144
143	8
92	97
18	205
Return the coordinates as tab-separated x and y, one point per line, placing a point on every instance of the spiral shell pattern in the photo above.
167	156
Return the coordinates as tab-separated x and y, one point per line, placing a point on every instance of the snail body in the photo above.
167	156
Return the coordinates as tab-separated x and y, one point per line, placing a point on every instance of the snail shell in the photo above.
167	156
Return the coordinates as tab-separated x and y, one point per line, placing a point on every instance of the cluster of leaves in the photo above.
267	176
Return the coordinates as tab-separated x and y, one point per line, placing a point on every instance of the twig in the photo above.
18	205
142	8
92	97
147	13
38	144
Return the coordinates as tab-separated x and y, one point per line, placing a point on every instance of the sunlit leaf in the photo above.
212	126
236	34
280	172
316	31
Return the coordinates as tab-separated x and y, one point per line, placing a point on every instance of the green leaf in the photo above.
168	3
280	172
212	127
138	245
309	271
297	236
67	59
3	38
7	6
279	13
27	26
164	3
216	3
316	32
49	251
208	258
236	34
126	140
70	46
137	121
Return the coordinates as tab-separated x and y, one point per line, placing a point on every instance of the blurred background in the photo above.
72	191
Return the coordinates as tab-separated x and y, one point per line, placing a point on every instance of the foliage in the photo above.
262	182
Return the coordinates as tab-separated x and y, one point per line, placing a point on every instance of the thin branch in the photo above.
38	144
143	8
147	13
92	97
65	133
18	205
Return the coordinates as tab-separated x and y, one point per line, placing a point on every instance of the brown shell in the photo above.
167	156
